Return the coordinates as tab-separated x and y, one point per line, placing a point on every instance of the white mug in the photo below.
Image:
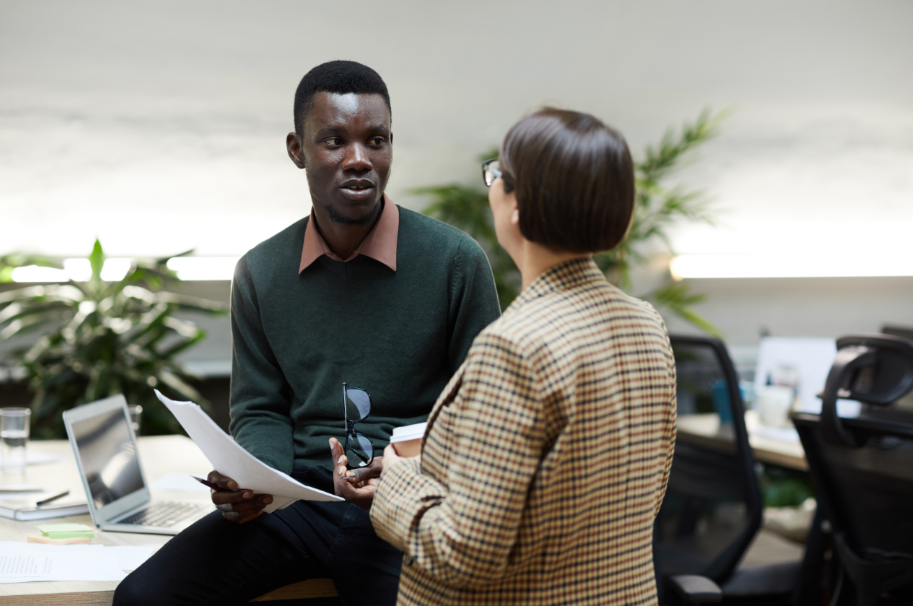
773	403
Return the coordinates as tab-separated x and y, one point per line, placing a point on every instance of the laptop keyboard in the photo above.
162	514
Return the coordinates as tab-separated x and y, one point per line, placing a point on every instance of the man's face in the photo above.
346	149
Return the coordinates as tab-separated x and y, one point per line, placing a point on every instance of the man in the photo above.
363	293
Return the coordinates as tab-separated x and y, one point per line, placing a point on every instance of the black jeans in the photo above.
220	562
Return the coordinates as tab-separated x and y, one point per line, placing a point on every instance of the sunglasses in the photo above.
357	406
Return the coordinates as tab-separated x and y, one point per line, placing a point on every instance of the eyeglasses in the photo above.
356	406
491	170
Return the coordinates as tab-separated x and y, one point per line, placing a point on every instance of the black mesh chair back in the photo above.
862	468
712	507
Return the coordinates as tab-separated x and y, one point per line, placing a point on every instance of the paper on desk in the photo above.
178	482
27	562
230	459
783	434
36	457
18	489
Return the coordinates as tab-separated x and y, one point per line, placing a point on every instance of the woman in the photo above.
546	457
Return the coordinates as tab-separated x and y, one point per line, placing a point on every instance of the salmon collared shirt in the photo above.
379	244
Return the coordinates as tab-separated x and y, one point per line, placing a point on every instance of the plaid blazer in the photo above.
546	457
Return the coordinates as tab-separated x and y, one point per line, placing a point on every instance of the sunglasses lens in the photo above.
360	450
358	404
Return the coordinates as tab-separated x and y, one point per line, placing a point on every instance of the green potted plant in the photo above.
100	338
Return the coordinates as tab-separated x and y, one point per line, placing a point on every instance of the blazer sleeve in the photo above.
260	420
462	532
671	419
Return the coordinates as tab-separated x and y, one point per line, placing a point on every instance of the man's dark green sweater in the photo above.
399	335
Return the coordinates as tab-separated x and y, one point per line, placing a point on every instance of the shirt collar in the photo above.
379	244
565	275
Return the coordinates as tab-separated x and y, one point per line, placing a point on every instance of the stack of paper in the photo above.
41	505
28	562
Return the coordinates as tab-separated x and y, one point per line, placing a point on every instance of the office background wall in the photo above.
160	126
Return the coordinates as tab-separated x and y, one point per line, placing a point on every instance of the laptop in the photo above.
119	499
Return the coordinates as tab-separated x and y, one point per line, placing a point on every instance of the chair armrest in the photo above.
694	589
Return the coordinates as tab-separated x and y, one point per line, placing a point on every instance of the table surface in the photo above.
705	428
158	455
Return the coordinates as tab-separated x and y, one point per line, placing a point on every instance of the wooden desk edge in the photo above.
781	459
311	588
70	598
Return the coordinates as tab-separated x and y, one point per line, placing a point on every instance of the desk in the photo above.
158	455
705	430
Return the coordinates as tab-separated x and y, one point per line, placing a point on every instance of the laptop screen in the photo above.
108	456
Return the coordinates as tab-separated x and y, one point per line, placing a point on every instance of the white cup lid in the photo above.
409	432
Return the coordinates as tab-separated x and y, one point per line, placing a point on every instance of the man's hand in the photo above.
237	505
356	486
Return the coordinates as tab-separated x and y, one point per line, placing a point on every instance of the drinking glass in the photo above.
14	434
136	417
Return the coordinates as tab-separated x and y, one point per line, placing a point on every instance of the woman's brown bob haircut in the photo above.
574	180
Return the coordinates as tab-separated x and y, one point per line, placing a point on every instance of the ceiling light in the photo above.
809	265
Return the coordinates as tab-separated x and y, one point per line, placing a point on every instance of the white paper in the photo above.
36	457
127	557
14	489
28	562
783	434
812	359
19	495
179	482
230	459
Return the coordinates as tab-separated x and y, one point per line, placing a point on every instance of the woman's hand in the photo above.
391	458
356	486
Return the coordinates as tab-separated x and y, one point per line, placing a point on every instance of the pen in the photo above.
52	498
206	483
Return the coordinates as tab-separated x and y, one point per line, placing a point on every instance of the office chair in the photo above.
862	468
712	510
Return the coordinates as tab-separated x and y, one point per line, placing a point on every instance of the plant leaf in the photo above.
97	260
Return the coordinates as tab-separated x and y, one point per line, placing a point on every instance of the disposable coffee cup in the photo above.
407	441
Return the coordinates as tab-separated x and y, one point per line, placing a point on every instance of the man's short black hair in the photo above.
336	77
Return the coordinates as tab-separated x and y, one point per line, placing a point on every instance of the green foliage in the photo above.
13	260
657	208
467	209
101	339
783	488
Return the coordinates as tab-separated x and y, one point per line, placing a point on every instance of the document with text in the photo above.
230	459
27	562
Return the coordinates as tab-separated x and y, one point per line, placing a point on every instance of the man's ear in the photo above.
295	150
515	213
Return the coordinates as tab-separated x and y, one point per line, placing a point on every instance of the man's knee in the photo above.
135	591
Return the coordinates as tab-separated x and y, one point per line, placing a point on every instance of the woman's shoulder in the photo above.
562	320
584	303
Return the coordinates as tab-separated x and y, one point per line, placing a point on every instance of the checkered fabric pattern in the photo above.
546	457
